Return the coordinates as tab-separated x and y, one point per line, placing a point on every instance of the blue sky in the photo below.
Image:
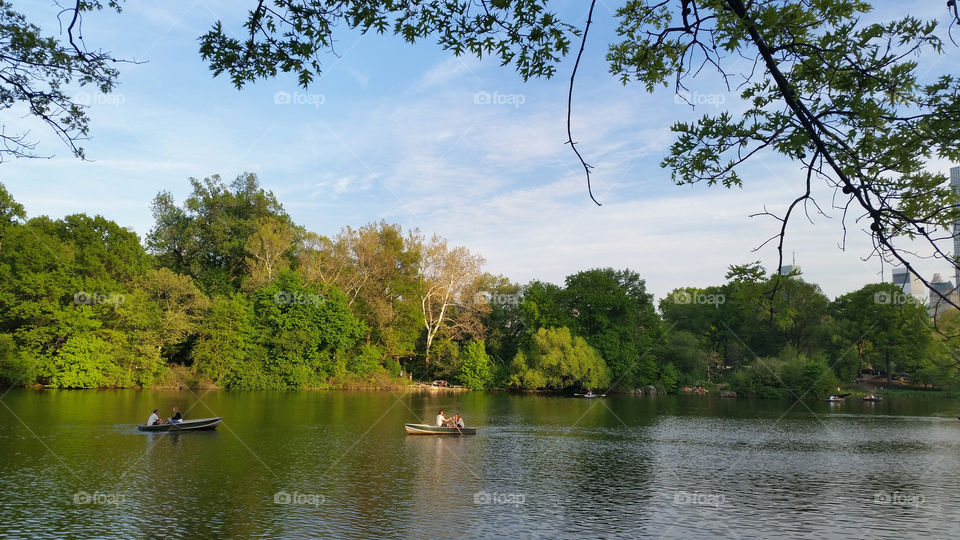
455	146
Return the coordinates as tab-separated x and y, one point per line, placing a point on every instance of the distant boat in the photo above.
187	425
590	394
835	399
427	429
872	397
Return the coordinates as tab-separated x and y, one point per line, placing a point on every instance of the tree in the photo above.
161	312
289	35
266	251
38	73
207	238
843	99
558	360
683	350
303	333
378	271
475	372
883	325
61	284
612	310
820	87
448	283
225	337
505	327
10	211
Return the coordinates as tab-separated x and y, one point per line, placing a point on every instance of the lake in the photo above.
340	464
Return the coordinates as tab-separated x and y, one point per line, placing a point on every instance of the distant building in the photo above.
910	284
943	287
788	269
936	304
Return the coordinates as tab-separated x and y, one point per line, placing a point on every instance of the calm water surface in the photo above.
340	464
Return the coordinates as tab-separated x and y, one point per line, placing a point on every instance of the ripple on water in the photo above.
629	467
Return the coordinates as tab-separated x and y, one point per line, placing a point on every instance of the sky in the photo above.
456	146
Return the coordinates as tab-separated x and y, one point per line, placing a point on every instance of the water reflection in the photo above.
340	464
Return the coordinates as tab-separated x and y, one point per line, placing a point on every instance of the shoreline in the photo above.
424	388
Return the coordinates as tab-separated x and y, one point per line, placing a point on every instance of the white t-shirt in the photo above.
153	418
440	420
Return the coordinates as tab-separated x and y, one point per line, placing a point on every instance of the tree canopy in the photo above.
228	290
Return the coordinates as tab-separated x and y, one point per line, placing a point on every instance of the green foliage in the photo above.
14	369
608	308
789	376
207	238
367	362
41	74
224	342
302	334
883	326
669	378
84	361
475	372
10	210
83	305
557	360
292	34
612	310
505	321
445	359
684	352
842	96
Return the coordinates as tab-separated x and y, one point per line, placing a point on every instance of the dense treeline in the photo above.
227	288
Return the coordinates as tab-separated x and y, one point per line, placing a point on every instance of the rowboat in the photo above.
589	395
186	425
835	399
427	429
872	398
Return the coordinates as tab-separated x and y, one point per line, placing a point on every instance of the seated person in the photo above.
176	418
442	421
154	418
458	421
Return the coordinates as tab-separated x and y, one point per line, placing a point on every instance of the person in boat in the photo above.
176	418
154	418
443	421
458	421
